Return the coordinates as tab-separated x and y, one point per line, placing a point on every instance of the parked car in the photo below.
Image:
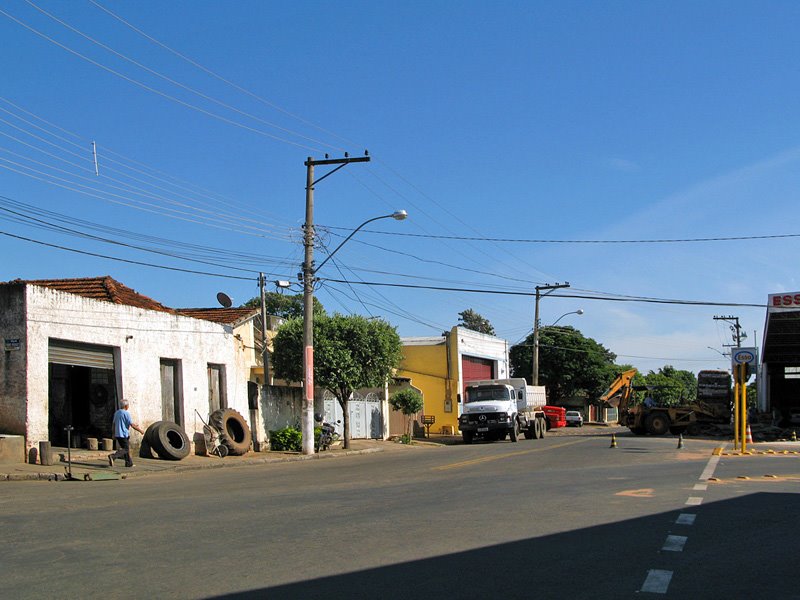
574	418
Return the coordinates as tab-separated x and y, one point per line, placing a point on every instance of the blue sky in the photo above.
563	122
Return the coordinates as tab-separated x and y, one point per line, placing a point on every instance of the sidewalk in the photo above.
93	465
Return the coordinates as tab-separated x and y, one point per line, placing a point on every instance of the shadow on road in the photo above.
725	556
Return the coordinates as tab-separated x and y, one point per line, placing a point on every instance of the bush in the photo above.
288	439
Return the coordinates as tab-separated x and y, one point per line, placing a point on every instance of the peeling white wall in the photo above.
142	337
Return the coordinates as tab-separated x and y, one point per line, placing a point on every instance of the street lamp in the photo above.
309	271
550	289
574	312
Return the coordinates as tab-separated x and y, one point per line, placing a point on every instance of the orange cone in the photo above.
749	435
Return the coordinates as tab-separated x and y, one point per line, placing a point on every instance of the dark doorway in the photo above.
171	397
83	397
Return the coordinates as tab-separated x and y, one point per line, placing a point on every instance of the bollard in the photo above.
108	444
45	454
680	441
91	443
613	441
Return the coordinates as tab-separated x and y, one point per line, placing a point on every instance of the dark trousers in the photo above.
123	450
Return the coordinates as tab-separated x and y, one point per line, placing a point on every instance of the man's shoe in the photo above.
110	460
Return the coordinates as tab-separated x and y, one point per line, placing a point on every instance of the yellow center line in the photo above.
484	459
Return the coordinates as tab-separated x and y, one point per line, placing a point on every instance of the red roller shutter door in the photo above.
475	369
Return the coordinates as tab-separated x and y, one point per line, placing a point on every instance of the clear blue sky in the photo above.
569	121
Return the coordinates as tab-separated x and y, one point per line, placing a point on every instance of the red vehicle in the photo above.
556	416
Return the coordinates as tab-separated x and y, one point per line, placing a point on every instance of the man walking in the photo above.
121	427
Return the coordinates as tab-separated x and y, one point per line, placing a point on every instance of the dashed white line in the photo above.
685	519
709	470
694	501
702	487
657	581
675	543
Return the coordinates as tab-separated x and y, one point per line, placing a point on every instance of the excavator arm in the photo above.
619	392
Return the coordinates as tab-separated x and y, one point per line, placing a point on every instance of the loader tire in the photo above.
231	424
657	423
168	440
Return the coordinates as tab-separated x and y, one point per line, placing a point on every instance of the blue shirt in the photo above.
122	423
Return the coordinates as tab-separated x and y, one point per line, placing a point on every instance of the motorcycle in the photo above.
327	434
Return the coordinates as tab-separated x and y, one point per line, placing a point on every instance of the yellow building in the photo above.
440	366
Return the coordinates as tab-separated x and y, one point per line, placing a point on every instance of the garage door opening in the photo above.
81	391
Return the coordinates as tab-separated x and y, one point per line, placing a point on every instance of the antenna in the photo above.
224	300
94	154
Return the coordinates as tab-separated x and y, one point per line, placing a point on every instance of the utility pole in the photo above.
738	336
307	416
550	289
264	349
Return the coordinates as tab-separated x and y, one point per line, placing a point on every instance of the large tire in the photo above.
466	436
168	439
657	423
542	427
237	435
537	429
513	433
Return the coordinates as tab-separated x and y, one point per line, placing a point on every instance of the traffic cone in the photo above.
680	441
613	441
749	435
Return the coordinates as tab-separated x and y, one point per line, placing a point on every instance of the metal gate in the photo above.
366	419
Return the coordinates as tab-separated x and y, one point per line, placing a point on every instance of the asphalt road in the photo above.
563	517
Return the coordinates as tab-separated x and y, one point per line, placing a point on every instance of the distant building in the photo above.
440	367
779	385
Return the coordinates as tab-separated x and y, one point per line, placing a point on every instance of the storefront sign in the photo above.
789	301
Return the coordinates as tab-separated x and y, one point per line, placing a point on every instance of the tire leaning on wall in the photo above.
168	439
233	429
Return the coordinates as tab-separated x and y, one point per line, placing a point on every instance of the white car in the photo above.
574	419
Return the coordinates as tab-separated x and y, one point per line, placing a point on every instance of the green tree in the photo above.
282	305
409	402
670	386
472	320
350	352
570	364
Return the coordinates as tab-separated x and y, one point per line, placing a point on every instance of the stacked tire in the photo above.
168	440
233	430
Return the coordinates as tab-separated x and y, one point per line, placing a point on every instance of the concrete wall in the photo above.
140	338
13	362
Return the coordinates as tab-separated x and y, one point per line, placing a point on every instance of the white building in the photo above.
73	347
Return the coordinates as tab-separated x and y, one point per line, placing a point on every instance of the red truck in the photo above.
556	416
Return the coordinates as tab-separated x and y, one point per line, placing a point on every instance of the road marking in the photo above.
657	581
642	493
694	501
700	487
685	519
484	459
674	543
709	470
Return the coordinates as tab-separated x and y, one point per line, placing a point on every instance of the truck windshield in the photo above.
489	392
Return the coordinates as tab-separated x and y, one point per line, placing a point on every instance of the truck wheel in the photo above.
537	429
514	433
657	423
542	427
466	436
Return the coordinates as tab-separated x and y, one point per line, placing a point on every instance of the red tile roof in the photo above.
226	316
103	288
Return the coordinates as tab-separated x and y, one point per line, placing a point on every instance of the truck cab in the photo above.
496	408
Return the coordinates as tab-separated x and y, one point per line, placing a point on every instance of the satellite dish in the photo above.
224	300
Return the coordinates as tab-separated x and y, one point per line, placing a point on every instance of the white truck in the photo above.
494	408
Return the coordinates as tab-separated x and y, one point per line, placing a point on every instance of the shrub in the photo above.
288	439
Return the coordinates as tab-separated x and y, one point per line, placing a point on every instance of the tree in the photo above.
472	320
569	364
281	305
409	402
350	352
670	386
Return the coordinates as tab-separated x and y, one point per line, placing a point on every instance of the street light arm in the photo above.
398	215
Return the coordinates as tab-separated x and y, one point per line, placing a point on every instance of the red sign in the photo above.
791	300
